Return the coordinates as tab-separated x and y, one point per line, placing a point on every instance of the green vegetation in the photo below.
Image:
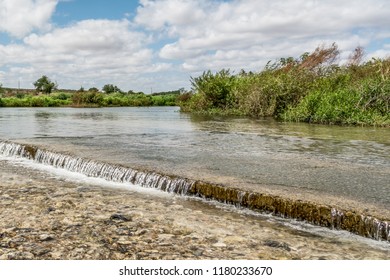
28	100
312	88
44	85
82	98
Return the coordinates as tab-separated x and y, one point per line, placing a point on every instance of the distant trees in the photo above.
110	88
93	89
45	85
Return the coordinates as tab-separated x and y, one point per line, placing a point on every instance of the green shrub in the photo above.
217	88
87	98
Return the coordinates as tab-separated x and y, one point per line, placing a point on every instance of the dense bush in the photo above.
34	101
87	98
312	88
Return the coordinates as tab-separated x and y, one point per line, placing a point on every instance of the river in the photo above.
343	165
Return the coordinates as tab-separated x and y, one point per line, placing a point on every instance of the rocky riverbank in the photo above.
46	217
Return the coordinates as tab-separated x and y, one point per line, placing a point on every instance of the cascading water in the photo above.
12	150
310	212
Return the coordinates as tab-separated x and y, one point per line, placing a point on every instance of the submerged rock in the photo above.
121	217
277	244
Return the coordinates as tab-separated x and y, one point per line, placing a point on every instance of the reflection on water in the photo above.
347	161
271	127
356	144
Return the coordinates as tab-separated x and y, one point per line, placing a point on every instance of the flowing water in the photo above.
351	162
313	161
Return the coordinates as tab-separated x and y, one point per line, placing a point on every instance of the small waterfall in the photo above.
12	150
322	215
91	168
336	218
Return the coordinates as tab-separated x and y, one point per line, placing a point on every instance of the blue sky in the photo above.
160	44
76	10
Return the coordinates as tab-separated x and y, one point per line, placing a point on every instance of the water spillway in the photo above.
314	213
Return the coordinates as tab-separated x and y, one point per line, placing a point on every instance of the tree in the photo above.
45	85
110	88
93	89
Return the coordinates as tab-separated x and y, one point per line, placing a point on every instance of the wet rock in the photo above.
39	251
165	236
50	209
277	244
198	253
123	231
19	256
121	217
219	245
46	237
141	232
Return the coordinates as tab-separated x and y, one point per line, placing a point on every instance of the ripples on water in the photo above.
350	161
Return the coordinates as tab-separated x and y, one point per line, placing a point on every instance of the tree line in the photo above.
47	94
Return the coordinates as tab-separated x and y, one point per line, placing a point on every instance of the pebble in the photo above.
46	237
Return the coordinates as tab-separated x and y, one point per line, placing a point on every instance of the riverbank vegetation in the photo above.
85	98
312	88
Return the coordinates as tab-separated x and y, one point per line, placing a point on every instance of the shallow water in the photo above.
350	162
261	237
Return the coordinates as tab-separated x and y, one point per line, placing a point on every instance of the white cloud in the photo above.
153	14
247	33
19	17
99	51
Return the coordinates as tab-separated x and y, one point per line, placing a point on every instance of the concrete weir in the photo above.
317	214
314	213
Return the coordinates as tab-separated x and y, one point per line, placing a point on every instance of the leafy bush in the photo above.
217	88
87	98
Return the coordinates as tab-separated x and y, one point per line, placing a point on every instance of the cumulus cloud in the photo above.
103	51
19	17
153	14
246	33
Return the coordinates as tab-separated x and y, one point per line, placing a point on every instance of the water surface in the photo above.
350	162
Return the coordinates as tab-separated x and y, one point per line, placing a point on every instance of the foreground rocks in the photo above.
49	218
